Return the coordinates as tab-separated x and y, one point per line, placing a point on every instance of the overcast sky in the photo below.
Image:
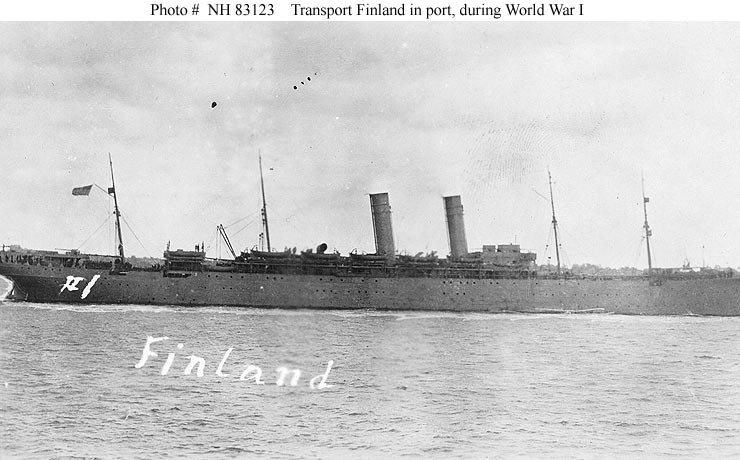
418	110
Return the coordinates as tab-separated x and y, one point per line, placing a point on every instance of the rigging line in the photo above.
107	196
137	238
96	231
241	219
289	220
251	222
565	257
102	190
638	253
243	228
652	254
105	201
547	243
212	244
541	195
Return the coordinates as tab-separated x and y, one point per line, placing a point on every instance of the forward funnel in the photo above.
455	226
381	210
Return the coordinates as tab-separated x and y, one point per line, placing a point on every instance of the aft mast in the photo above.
112	190
264	207
554	222
648	232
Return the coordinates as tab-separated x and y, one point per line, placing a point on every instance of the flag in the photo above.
111	191
647	200
82	190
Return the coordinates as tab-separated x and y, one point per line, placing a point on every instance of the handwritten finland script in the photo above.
251	372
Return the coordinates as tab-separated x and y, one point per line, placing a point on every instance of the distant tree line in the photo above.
597	270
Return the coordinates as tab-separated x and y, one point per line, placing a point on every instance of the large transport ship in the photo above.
500	278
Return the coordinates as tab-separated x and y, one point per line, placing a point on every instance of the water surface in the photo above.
403	384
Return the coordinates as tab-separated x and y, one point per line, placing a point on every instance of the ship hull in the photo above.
716	297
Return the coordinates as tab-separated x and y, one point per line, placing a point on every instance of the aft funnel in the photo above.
381	210
455	226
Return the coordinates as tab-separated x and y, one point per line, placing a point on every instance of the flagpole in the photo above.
118	213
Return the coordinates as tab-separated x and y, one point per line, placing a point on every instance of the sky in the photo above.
418	110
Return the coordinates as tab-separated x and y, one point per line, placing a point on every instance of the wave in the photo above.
5	287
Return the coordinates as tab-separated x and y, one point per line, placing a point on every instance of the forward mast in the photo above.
648	232
112	191
264	207
554	222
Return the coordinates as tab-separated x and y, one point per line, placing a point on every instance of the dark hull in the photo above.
717	297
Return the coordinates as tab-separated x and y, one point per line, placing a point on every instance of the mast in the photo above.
117	212
554	222
648	232
264	207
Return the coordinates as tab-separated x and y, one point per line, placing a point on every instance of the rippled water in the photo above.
440	385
